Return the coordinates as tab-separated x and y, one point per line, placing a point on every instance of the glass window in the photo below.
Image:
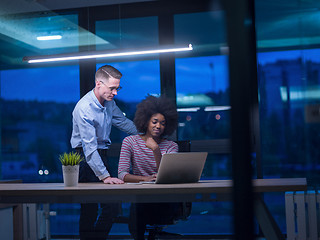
202	85
203	97
36	121
36	128
139	79
289	83
27	35
205	30
289	95
127	33
287	24
202	81
37	102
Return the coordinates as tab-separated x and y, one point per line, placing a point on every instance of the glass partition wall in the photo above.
119	29
37	100
202	95
288	77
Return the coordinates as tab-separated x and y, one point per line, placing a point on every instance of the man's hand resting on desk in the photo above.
111	180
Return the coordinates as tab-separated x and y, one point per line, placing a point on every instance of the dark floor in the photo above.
165	238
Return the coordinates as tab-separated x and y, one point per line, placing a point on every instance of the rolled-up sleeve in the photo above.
125	159
96	164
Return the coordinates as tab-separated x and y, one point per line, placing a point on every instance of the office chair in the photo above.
156	230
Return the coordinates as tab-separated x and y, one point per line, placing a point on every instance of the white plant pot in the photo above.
70	175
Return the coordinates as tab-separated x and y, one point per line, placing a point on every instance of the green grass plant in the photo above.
70	159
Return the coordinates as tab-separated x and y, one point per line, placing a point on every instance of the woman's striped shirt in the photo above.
137	159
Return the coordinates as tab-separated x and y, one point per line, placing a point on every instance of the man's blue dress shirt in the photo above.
92	124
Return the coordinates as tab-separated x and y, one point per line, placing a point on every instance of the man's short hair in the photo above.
104	73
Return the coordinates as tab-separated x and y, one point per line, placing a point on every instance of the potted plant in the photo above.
70	168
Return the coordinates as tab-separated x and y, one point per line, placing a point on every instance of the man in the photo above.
93	117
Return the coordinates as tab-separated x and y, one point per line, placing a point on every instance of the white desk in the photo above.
98	192
208	190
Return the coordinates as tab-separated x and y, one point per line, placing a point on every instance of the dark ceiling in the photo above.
279	24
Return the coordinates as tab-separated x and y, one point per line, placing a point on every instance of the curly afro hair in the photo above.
152	105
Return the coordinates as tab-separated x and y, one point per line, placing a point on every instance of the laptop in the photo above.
181	167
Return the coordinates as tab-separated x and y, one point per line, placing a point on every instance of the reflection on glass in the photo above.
299	19
202	84
32	30
289	102
205	30
27	34
36	121
55	84
288	87
36	124
128	33
203	97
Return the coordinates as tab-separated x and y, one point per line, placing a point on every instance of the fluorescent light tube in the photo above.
104	54
216	108
52	37
191	109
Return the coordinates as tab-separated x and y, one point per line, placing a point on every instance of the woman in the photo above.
155	118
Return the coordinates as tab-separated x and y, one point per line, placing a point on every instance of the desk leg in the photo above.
17	222
30	221
268	225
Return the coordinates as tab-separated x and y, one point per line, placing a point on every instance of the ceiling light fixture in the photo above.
102	54
52	37
191	109
216	108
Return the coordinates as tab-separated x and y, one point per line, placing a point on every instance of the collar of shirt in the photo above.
96	101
